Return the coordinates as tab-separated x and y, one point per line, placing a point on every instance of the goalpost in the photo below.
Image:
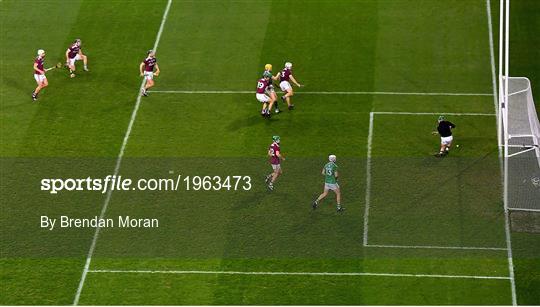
518	132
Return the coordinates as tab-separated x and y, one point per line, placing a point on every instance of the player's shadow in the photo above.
17	86
250	121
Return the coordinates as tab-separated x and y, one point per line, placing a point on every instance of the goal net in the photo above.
521	135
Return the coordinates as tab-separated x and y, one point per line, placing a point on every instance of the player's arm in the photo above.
141	68
67	56
276	77
336	174
156	73
37	69
451	125
436	131
323	172
278	154
294	81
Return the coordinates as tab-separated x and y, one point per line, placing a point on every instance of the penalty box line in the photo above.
433	113
436	247
195	272
368	186
324	93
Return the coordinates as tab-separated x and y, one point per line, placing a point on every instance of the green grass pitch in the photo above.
417	230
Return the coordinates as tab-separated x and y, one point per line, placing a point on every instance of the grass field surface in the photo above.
417	230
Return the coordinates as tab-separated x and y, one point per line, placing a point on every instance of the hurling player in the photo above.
330	173
261	95
147	70
270	91
39	73
274	152
73	54
284	77
444	129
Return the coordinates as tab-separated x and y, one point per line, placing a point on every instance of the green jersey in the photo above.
330	170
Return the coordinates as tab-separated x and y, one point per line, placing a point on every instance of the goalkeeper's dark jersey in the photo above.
445	128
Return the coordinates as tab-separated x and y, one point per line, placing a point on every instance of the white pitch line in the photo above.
368	179
433	113
323	93
117	166
525	210
301	273
506	218
435	247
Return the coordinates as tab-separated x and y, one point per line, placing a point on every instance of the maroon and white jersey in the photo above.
39	61
74	50
149	64
262	84
285	74
274	149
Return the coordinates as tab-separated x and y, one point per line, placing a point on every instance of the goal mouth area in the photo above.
520	129
525	221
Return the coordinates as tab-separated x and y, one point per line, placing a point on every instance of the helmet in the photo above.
150	52
267	74
78	40
275	138
441	118
41	52
332	158
288	65
268	67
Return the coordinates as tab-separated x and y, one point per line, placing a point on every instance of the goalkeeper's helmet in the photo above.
267	74
40	52
275	138
268	67
288	65
441	118
332	158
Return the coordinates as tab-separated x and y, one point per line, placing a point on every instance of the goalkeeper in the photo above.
444	129
330	172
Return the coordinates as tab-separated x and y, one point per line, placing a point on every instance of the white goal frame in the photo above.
503	107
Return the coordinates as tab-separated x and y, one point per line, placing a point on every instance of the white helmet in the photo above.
40	52
288	64
332	158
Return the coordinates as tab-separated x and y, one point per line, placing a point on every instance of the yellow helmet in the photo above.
268	67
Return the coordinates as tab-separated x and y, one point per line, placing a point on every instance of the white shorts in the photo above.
148	75
285	86
276	167
262	98
76	58
270	90
40	78
446	140
331	186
